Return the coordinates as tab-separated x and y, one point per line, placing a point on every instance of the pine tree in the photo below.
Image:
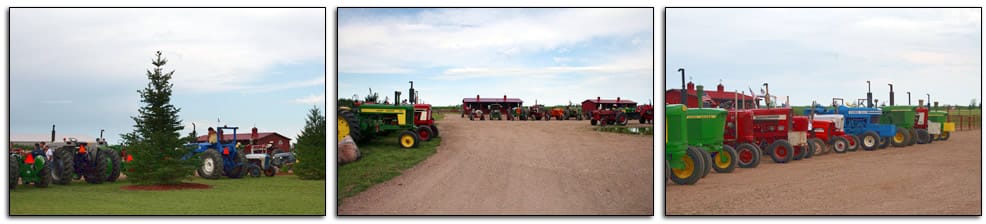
311	147
155	142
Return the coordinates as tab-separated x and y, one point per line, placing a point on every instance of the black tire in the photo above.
14	170
869	141
434	130
424	133
96	171
884	142
931	138
667	171
622	119
708	162
271	171
914	137
63	166
593	122
241	169
114	163
692	155
45	178
923	136
854	143
754	153
840	144
353	121
799	152
945	135
210	160
780	151
816	146
414	137
730	165
471	117
253	170
905	137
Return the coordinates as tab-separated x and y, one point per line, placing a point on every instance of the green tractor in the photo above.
941	118
706	131
74	159
495	112
903	118
682	164
29	167
366	121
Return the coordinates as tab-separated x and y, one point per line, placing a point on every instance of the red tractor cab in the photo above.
425	122
781	135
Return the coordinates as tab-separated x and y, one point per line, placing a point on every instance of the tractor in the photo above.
860	125
476	113
705	132
941	118
739	135
572	112
74	159
425	122
496	111
780	134
682	162
605	117
264	158
537	112
219	157
903	117
29	167
830	130
518	113
558	113
365	121
646	113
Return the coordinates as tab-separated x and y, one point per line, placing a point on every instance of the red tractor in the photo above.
425	122
537	112
739	135
605	117
646	112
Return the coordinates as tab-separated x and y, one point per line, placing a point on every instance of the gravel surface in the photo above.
942	178
520	167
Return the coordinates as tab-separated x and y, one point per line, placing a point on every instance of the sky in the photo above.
552	56
80	69
820	54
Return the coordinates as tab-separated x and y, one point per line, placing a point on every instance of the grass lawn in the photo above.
382	160
278	195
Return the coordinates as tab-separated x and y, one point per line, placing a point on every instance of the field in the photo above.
520	167
942	178
278	195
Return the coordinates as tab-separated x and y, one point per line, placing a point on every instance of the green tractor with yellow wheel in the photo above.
367	121
941	118
683	163
702	130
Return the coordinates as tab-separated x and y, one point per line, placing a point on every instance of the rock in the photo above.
348	151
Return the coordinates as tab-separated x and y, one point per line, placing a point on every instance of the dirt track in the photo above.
943	178
520	167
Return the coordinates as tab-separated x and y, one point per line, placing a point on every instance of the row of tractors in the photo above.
598	112
699	139
72	159
367	121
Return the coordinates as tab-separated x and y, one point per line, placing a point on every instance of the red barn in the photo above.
278	140
710	99
592	104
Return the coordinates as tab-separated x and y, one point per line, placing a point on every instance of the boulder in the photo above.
348	151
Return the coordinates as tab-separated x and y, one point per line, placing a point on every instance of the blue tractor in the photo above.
219	157
862	123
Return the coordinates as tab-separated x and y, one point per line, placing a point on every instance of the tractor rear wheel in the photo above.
212	164
270	171
816	146
253	170
853	143
869	140
780	151
96	173
840	144
809	151
63	165
914	137
45	179
923	136
748	155
349	120
621	119
694	166
725	160
884	142
707	157
424	132
113	172
14	170
901	138
408	139
241	167
434	130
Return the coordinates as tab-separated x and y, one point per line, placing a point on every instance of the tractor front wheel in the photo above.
749	155
944	135
840	144
62	171
816	146
253	170
408	139
425	133
434	130
725	160
853	143
14	170
593	122
884	142
351	123
212	164
923	136
621	119
780	151
707	157
694	166
869	140
799	153
901	138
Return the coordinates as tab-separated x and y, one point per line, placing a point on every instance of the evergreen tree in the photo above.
155	143
311	147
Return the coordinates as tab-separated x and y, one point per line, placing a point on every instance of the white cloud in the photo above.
311	99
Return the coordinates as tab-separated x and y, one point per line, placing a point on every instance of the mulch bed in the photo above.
181	186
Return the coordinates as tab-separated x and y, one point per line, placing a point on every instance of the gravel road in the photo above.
942	178
520	167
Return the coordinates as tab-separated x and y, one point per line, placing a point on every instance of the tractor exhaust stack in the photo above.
929	99
397	97
52	133
411	95
684	92
869	95
891	94
767	95
908	98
